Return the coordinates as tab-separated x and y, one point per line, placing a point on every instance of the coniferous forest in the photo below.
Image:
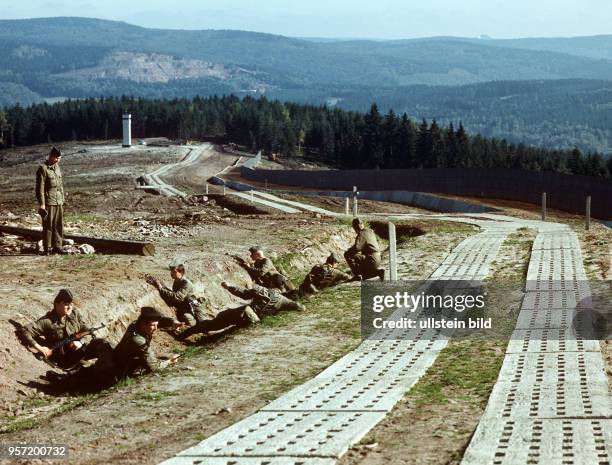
343	139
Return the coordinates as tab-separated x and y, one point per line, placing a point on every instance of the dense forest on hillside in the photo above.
341	138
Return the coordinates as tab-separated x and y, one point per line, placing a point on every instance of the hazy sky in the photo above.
385	19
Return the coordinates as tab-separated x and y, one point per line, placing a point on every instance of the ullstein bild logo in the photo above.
422	310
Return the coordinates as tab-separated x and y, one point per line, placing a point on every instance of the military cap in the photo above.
150	314
176	262
55	152
64	295
333	258
254	249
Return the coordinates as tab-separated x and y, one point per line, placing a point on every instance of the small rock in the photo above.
223	410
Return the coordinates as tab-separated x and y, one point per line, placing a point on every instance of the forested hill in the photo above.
42	59
336	137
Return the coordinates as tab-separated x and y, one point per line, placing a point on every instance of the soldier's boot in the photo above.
249	316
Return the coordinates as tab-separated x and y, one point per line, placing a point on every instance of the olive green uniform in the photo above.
322	276
182	297
264	301
50	196
53	329
134	354
263	272
364	256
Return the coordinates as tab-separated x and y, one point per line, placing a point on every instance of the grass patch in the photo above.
465	369
155	396
283	264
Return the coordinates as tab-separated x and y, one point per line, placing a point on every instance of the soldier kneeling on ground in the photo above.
134	354
60	336
263	301
363	257
182	295
264	273
323	275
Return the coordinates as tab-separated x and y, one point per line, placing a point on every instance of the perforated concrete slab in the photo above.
348	393
555	269
248	461
573	367
579	297
467	272
550	340
295	434
555	318
550	399
546	442
384	361
555	241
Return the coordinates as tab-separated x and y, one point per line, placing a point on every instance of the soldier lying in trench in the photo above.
322	276
263	272
61	337
132	356
263	301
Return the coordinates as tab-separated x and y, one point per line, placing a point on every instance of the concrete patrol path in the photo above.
154	180
551	403
316	423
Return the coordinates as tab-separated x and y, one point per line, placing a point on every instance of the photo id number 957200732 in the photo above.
31	451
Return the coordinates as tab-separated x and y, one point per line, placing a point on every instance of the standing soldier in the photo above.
50	197
182	295
263	301
323	275
264	273
364	256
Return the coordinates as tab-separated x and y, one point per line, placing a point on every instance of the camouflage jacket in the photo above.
263	300
49	185
325	275
52	328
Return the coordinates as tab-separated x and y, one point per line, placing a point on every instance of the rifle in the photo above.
149	279
75	337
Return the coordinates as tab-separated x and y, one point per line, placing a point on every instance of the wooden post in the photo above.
392	253
206	188
588	212
223	189
355	193
347	206
543	206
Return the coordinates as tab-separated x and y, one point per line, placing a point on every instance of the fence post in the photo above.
588	212
543	206
206	188
392	253
355	193
347	208
223	189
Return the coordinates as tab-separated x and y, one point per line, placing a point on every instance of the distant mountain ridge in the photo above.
83	57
